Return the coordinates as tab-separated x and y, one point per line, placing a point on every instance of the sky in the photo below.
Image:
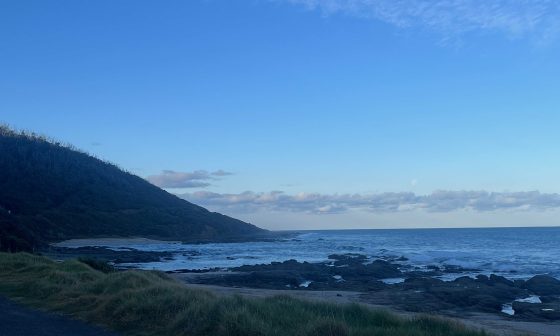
304	114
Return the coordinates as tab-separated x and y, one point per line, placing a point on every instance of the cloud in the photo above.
196	179
438	201
452	17
221	173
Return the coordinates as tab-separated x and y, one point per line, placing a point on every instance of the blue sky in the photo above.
304	113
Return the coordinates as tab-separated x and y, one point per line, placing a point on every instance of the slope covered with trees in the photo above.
51	192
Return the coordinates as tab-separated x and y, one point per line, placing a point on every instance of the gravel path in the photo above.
16	320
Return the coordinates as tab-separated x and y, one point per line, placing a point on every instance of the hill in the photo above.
51	192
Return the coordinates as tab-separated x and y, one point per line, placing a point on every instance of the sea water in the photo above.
516	253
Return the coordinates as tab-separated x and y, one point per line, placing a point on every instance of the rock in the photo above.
464	293
543	285
519	283
482	278
496	279
383	269
129	255
537	311
422	283
458	269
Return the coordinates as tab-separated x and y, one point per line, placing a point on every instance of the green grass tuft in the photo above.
149	303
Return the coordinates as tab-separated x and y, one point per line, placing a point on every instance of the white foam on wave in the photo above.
486	250
305	284
508	309
530	299
448	277
392	281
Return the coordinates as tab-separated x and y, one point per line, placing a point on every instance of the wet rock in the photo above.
543	285
462	294
423	283
350	259
519	283
482	278
128	255
496	279
458	269
537	311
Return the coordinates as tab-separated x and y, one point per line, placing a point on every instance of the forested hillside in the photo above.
51	192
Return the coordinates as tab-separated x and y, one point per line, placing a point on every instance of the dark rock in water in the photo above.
519	283
482	278
537	311
462	294
543	285
383	269
496	279
420	291
423	283
347	259
105	254
493	280
351	274
458	269
463	280
549	299
291	265
185	270
467	293
356	266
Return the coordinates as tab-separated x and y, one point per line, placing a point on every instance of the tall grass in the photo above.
150	303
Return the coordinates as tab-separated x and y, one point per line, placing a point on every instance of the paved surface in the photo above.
16	320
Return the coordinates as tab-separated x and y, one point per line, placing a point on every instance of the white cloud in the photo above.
196	179
438	201
452	17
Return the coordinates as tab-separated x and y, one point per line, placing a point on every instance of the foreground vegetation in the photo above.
151	303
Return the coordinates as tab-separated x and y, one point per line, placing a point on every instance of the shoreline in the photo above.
383	280
387	283
152	303
489	322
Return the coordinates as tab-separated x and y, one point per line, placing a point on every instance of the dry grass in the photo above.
150	303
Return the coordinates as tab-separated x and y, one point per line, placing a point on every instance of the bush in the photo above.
99	265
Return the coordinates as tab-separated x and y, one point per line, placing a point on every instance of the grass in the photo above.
151	303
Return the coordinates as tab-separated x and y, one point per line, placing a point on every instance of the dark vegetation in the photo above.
98	265
50	192
150	303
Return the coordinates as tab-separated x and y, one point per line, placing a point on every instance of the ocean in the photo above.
516	253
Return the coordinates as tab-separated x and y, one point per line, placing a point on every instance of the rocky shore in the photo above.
389	282
122	256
